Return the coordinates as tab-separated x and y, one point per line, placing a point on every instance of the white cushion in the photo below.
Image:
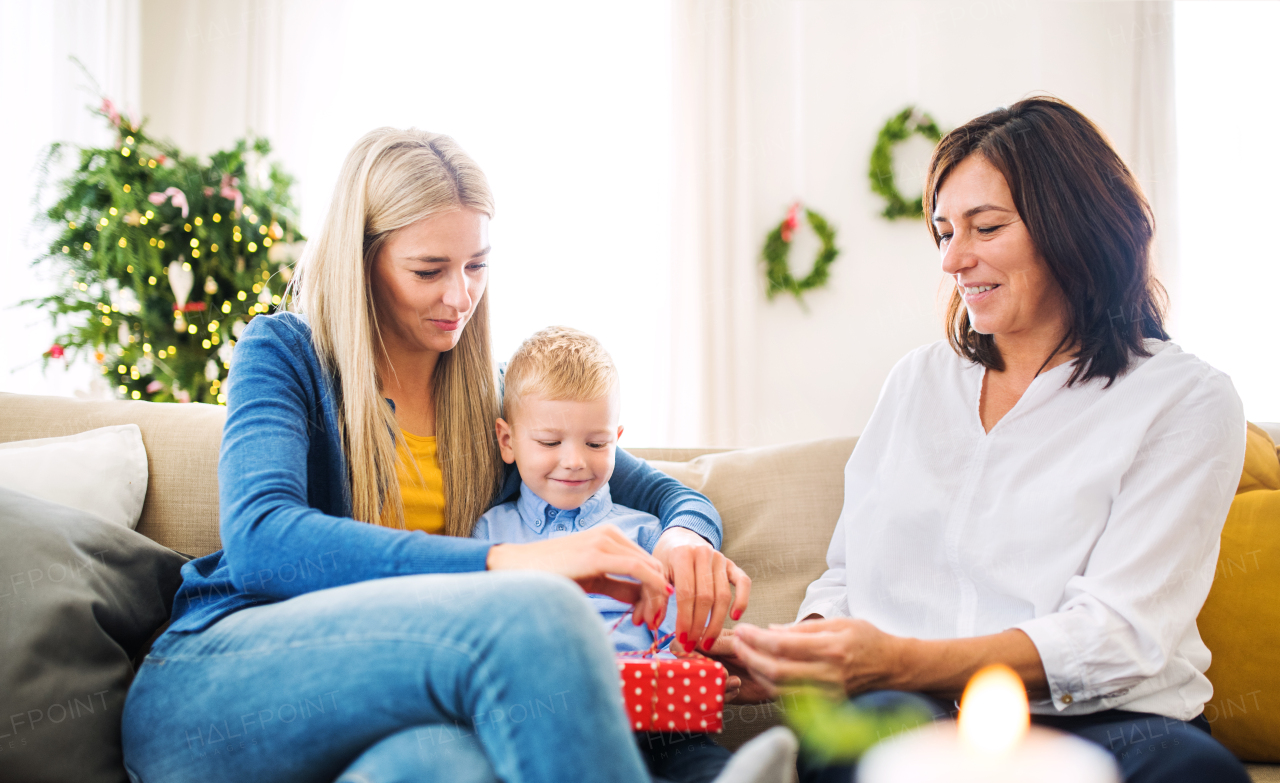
102	472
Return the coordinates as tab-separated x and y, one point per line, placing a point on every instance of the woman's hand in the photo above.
853	654
702	577
858	657
740	687
591	558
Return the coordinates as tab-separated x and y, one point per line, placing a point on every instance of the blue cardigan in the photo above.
286	521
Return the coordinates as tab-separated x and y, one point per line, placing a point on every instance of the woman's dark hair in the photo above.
1087	218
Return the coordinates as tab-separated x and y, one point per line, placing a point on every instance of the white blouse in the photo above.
1088	517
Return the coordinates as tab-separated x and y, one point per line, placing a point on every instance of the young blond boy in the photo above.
561	404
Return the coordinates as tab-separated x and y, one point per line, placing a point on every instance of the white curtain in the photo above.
715	284
46	96
1153	146
218	72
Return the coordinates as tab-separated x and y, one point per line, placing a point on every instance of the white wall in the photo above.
823	77
565	105
819	373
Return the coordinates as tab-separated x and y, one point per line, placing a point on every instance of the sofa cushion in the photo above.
102	471
779	505
1240	621
182	443
78	600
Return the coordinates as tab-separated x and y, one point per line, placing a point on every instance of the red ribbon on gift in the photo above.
653	648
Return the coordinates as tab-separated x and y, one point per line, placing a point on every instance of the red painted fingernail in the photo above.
684	640
737	614
706	643
670	589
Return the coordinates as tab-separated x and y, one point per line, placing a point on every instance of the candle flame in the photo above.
993	711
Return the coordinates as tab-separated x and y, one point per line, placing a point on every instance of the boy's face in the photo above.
564	449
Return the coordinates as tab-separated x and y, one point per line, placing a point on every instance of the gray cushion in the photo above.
78	600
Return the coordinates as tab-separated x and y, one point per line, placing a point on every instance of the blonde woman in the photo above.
349	629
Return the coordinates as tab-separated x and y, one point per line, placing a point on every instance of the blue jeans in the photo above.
457	677
673	757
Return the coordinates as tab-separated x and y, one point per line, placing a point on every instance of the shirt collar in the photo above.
533	509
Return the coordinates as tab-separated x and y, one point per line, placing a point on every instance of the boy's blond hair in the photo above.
559	363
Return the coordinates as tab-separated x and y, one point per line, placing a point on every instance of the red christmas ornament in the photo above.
55	351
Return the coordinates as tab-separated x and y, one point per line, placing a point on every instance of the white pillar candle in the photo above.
992	743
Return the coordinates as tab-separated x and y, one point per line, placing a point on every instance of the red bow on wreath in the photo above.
791	223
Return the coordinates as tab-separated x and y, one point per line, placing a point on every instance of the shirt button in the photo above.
1066	698
559	527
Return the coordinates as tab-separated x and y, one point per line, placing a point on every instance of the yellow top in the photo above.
423	499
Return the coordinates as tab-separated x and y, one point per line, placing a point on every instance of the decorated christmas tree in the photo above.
164	259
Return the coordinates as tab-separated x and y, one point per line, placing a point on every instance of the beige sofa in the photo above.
779	503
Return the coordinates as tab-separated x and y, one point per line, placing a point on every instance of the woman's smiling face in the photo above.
986	248
428	279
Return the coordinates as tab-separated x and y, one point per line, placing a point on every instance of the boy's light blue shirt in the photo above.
529	518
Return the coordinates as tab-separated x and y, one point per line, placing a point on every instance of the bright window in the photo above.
1228	170
567	108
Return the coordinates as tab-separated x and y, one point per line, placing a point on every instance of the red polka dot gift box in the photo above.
673	694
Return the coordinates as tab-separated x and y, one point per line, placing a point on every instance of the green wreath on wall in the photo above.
777	250
898	129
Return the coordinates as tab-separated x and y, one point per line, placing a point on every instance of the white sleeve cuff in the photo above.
1063	664
829	608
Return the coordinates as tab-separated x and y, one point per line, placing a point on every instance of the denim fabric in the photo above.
387	680
669	758
423	754
1148	748
1153	748
530	518
681	758
282	478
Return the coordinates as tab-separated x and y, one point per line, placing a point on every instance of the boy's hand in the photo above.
702	577
592	558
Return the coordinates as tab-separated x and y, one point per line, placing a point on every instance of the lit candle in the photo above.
993	742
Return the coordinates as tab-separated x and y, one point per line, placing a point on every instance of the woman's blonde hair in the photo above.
391	179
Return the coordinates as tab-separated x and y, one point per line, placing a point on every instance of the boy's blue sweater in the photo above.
283	490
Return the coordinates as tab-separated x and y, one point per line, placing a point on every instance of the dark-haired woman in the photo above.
1045	489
